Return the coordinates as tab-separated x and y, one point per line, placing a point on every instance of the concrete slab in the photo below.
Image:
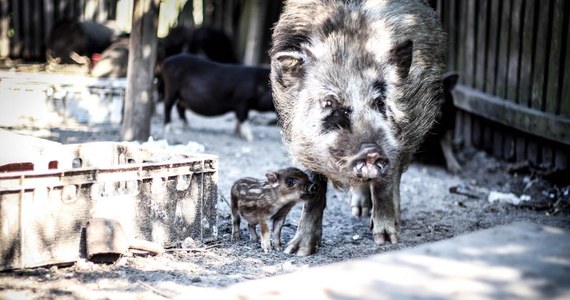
516	261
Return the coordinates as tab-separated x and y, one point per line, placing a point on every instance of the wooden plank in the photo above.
487	138
112	10
503	54
228	17
72	10
540	59
60	9
553	57
476	129
565	93
527	44
4	25
470	40
258	11
460	8
497	146
458	130
514	50
492	46
520	151
547	157
439	9
532	152
549	126
16	42
450	11
48	20
83	10
467	131
37	34
508	146
101	13
25	32
561	160
482	13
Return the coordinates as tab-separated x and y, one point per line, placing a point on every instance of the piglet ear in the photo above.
289	67
273	179
401	56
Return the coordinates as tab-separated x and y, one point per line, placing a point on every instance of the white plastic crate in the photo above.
157	196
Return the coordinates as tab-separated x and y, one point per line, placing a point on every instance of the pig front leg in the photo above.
181	109
278	221
385	221
236	218
242	128
252	232
277	227
360	201
310	228
235	226
450	161
265	236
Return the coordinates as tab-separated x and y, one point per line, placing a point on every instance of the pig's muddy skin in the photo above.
264	201
356	85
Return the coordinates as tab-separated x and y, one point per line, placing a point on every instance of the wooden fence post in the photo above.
137	110
4	26
258	10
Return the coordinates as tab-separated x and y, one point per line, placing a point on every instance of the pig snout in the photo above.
370	162
309	191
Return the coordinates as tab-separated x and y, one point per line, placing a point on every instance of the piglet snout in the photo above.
311	188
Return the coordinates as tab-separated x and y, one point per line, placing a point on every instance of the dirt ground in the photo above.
434	208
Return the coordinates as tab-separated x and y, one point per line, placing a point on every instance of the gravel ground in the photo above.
430	212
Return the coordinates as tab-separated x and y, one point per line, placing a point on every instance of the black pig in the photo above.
211	89
438	144
74	42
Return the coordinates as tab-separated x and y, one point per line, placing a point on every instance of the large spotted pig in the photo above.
356	84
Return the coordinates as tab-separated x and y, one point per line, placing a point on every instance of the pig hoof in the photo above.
266	248
380	238
359	211
167	129
301	251
360	201
244	131
302	246
454	168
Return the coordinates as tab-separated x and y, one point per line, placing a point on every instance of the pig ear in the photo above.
401	56
450	80
273	179
290	66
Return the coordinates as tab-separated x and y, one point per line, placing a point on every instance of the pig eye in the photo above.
337	119
378	103
330	102
290	182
